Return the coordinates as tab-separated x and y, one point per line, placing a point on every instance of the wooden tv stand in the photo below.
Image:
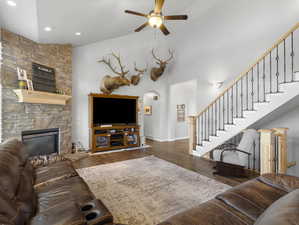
105	138
113	138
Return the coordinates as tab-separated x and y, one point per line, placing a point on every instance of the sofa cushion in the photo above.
54	172
5	221
212	212
26	198
71	189
9	211
67	213
281	181
16	148
284	211
9	173
251	198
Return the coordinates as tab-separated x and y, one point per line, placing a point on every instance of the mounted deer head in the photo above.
156	73
135	79
109	84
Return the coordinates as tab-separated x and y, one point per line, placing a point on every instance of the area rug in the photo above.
148	190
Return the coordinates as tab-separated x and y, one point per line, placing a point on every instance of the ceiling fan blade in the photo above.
136	13
176	17
164	29
142	27
158	6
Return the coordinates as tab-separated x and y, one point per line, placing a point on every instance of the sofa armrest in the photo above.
281	181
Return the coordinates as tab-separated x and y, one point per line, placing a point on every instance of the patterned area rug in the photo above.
148	190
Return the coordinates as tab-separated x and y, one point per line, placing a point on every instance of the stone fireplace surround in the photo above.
15	117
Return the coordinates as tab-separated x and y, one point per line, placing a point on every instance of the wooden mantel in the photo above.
41	97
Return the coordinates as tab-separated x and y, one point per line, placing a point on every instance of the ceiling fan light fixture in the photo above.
155	21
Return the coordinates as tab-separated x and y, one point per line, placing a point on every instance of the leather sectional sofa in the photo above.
49	195
267	200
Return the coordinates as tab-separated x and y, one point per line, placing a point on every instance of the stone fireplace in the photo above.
18	51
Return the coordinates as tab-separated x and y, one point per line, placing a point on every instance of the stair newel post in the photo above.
267	151
192	134
282	145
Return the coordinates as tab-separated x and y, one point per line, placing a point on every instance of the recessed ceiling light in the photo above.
11	3
78	33
47	28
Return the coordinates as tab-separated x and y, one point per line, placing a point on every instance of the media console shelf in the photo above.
117	137
113	137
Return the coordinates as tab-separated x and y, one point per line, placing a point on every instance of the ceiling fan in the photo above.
156	18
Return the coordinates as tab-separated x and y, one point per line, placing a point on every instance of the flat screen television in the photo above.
114	111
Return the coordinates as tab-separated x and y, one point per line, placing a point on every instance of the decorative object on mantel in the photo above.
181	113
109	83
148	110
156	19
22	78
43	78
156	73
29	85
41	97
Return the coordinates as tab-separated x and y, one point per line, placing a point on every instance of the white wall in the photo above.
216	44
182	93
87	75
152	123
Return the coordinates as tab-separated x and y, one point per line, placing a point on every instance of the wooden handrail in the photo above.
285	36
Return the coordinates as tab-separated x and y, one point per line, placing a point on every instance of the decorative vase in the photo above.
22	84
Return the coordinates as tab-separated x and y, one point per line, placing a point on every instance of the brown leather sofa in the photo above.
49	195
267	200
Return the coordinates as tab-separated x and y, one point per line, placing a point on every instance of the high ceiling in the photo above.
96	20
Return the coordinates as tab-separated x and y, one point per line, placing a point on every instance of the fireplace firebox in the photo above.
41	142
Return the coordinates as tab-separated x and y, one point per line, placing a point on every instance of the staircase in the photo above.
271	82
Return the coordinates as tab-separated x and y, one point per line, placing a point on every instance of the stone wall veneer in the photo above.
16	117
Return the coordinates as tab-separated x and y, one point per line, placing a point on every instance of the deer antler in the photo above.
139	70
123	73
122	68
108	63
155	57
160	60
171	56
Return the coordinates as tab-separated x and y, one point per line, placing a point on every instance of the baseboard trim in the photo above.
166	140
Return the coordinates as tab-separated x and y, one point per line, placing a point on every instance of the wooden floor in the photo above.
175	152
